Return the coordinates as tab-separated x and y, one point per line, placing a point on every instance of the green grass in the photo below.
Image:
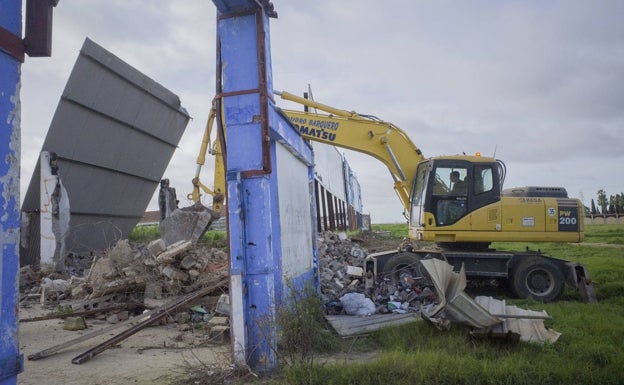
611	234
397	230
146	234
589	350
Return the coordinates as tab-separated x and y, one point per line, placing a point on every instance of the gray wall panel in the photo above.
114	131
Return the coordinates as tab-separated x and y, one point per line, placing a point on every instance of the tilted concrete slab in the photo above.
114	132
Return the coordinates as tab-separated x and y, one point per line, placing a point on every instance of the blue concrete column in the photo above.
11	23
262	150
244	59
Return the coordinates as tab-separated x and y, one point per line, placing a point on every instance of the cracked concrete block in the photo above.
122	254
74	323
219	334
169	256
188	262
175	274
355	271
117	317
188	223
214	321
153	290
156	247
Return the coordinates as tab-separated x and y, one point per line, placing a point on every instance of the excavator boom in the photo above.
362	133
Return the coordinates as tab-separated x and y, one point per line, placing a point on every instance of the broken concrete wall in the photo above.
113	132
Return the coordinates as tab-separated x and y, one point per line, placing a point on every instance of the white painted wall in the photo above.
295	212
329	170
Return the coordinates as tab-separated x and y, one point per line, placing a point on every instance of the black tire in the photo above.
402	264
537	278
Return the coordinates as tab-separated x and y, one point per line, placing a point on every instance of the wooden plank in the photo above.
346	325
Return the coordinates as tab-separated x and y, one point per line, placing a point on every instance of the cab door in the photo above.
485	202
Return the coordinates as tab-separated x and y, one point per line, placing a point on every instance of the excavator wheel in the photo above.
403	267
537	278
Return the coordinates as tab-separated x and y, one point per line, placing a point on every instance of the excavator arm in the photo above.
218	193
362	133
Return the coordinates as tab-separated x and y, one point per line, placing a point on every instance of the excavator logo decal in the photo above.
317	133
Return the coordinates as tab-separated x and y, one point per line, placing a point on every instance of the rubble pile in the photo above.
156	270
340	262
177	282
348	289
129	272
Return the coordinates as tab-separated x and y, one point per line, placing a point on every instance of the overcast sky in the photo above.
538	84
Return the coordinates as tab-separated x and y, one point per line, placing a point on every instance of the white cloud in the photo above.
539	82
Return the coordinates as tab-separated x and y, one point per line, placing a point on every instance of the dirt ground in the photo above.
155	355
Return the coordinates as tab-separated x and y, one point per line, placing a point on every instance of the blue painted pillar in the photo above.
269	175
245	85
11	362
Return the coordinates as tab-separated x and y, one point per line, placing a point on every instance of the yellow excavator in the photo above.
459	203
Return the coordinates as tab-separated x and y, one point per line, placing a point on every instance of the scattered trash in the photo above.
223	305
439	299
357	304
341	264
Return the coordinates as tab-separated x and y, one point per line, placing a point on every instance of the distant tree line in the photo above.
614	204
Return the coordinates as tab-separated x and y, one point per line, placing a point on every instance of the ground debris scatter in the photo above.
129	280
348	289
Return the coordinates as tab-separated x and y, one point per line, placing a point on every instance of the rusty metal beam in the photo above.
159	314
11	44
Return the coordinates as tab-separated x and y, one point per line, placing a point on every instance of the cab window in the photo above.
450	194
483	180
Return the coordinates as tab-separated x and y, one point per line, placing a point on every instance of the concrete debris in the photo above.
155	271
118	317
74	323
53	290
187	224
145	275
156	247
341	262
173	251
223	305
440	298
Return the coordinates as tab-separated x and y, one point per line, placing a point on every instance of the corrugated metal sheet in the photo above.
457	305
490	317
525	325
114	132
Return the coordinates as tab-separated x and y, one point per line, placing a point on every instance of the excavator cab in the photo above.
447	190
460	200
